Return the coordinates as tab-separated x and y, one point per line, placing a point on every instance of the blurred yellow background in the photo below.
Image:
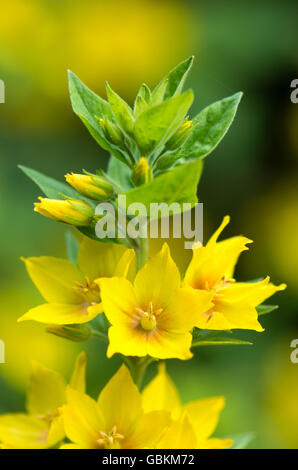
252	176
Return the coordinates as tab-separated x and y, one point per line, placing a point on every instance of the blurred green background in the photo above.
249	46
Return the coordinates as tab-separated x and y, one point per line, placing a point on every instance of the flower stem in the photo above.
138	368
142	252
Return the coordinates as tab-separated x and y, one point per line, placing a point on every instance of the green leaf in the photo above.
264	309
176	78
178	185
211	126
86	105
241	441
49	186
140	105
220	342
121	110
158	123
120	173
159	92
72	247
145	93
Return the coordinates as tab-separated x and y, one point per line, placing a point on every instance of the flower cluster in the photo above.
142	307
68	418
155	312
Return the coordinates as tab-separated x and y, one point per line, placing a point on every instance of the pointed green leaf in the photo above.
264	309
49	186
220	342
120	173
159	92
140	105
86	106
178	185
158	123
144	92
177	76
121	110
211	126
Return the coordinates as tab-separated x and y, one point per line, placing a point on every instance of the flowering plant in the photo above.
142	307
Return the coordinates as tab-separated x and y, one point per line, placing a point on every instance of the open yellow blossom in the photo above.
70	291
192	424
115	421
42	426
234	303
153	316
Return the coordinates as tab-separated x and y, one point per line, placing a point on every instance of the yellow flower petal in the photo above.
184	309
56	431
204	415
126	266
70	447
252	292
228	315
60	314
20	431
148	431
55	279
127	341
180	435
46	391
120	308
78	378
161	394
158	279
120	403
214	237
97	259
82	419
211	263
170	344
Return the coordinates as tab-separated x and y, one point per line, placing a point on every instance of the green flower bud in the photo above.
77	333
112	132
93	186
180	136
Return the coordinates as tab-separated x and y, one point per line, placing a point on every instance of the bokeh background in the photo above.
249	46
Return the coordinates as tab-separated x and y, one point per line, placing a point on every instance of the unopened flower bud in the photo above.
180	135
77	333
112	132
71	211
142	172
93	186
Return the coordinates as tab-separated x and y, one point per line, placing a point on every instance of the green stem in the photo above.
138	368
142	252
100	335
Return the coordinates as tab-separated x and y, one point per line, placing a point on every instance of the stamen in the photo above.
108	439
148	317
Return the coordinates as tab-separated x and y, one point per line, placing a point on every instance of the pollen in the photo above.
109	439
90	291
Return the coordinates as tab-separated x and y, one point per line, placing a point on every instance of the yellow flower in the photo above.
72	295
212	269
42	427
115	421
71	211
192	424
92	186
154	315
